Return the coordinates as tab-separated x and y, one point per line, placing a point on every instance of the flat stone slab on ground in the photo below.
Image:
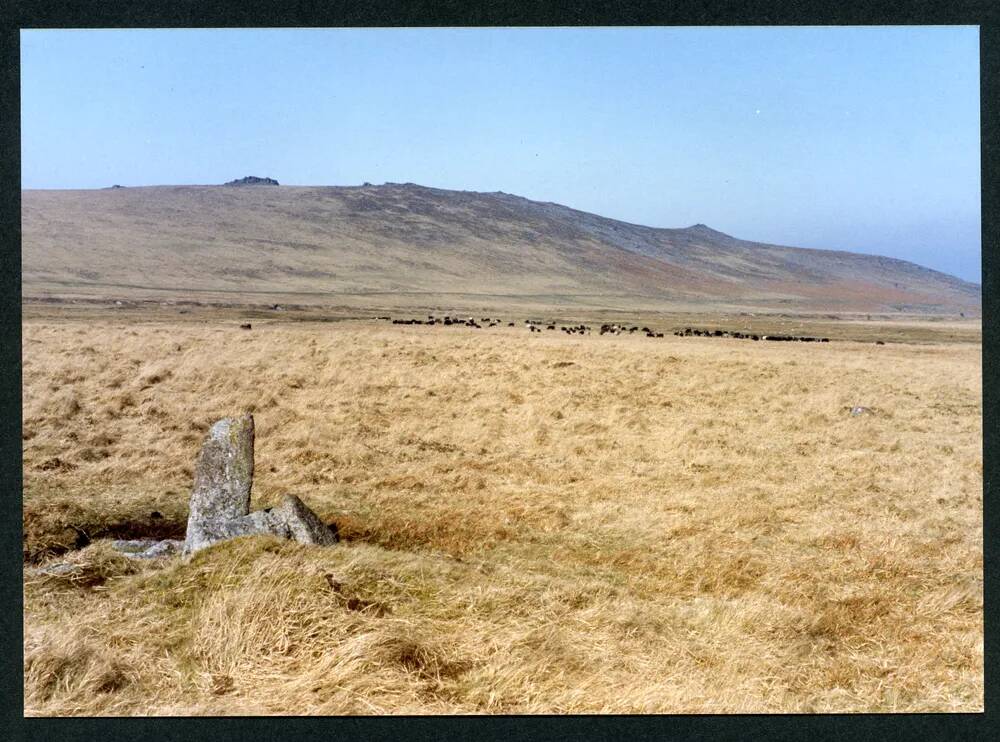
147	548
55	570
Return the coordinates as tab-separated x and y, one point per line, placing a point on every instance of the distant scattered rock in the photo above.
252	180
116	186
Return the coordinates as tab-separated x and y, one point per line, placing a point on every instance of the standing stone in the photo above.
224	473
222	480
220	500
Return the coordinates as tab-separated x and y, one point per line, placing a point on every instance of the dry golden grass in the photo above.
531	523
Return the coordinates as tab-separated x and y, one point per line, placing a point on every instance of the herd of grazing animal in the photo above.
532	325
688	332
616	329
606	329
448	320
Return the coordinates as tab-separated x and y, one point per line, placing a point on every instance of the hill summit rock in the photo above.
251	180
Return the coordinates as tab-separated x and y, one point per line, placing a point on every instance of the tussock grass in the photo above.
89	567
530	524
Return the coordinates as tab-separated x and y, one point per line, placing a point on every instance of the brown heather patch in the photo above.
680	525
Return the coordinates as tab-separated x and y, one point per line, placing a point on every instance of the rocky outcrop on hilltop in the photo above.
251	180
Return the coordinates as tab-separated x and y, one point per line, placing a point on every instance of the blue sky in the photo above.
863	139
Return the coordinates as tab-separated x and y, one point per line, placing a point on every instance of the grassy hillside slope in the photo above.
331	245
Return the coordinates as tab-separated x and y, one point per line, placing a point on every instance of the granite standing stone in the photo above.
224	472
220	500
222	480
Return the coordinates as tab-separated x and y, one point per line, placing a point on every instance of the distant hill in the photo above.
404	243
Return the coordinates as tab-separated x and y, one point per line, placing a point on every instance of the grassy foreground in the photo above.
530	523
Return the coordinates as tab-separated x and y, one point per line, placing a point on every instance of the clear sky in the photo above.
863	139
